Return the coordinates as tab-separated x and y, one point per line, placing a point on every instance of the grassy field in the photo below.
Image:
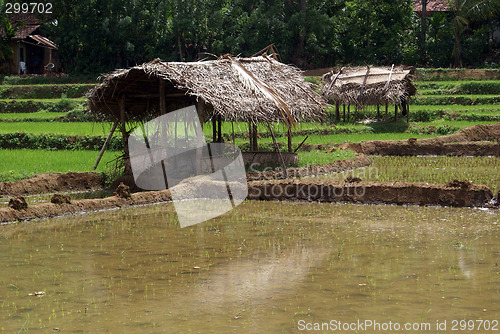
20	164
442	106
439	170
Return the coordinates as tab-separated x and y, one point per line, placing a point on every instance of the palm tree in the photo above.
463	11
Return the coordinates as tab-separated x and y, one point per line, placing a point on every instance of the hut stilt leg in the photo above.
219	129
386	110
105	144
278	150
378	112
396	113
128	166
343	107
254	134
348	112
250	135
290	140
214	129
337	111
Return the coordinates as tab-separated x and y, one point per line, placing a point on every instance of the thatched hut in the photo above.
362	86
253	90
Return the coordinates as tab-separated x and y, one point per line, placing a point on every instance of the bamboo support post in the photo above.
128	167
278	149
250	135
337	111
378	112
395	113
290	140
386	110
214	129
254	135
219	129
106	142
343	107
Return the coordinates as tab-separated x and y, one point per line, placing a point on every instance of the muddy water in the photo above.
262	268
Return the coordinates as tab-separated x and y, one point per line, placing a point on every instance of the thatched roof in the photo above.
381	85
257	89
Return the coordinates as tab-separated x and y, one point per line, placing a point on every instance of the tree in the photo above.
465	10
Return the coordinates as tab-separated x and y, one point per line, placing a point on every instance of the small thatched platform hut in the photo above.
253	90
361	86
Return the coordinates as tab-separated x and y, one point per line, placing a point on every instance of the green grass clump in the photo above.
317	157
20	164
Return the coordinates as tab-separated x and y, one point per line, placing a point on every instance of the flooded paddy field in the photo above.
264	267
431	169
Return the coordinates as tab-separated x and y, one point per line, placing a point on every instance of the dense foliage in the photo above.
99	35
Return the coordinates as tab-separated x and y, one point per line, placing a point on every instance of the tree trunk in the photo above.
179	45
423	26
299	48
457	49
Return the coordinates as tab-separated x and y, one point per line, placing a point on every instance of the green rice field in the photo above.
445	111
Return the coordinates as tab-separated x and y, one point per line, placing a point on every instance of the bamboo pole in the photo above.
128	167
219	129
250	135
254	134
214	129
290	140
395	113
343	107
337	111
386	110
378	112
278	149
110	135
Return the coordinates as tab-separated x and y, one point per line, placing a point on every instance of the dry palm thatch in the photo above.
381	85
258	89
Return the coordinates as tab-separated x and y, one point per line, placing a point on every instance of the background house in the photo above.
38	53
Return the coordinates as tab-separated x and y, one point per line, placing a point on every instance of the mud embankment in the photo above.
46	210
456	193
479	140
49	183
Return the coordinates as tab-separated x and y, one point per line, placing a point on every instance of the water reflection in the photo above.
260	268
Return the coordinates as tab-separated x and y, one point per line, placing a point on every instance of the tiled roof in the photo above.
432	6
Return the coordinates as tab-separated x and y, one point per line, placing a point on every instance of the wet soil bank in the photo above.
49	183
479	140
46	210
458	194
